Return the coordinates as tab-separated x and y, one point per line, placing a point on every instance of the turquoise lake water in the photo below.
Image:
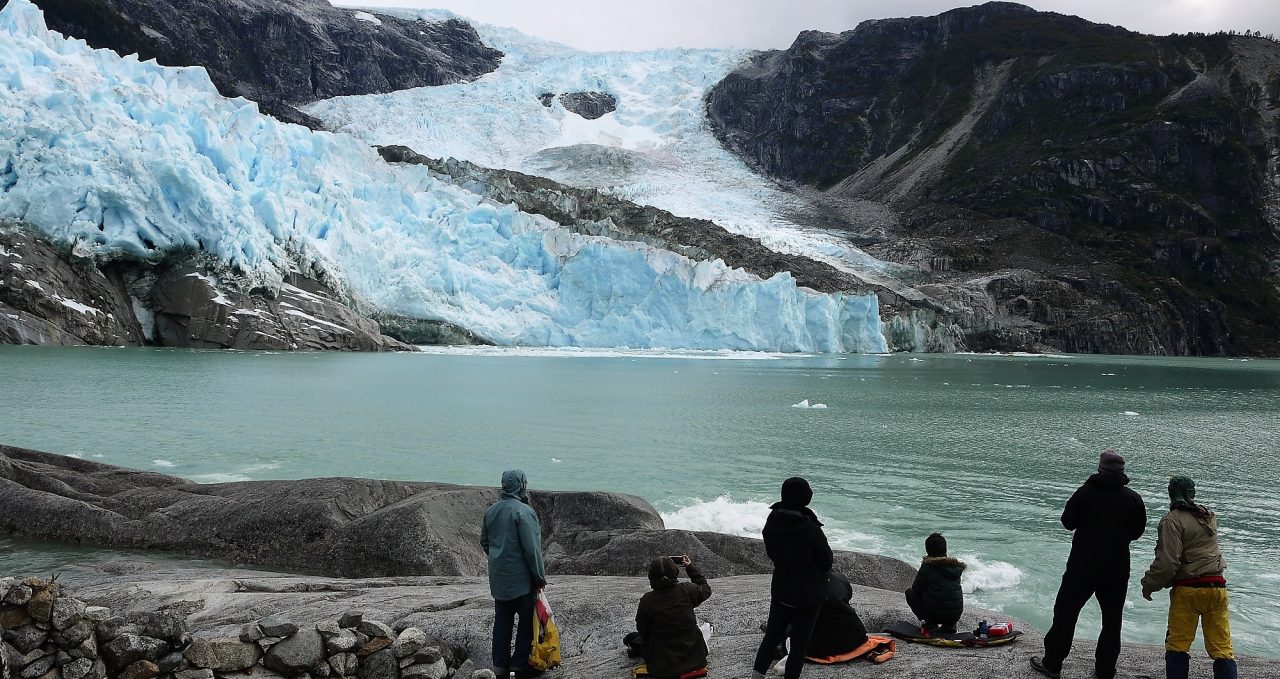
984	448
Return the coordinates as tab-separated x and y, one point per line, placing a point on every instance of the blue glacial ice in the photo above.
126	158
655	149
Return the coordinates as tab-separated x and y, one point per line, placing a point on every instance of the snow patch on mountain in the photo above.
118	157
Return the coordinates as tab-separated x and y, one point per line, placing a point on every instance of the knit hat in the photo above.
1110	461
935	545
663	573
796	492
1182	493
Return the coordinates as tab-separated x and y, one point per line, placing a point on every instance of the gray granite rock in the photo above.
350	619
37	668
202	673
410	641
77	669
380	665
129	648
162	625
27	638
342	642
436	670
375	629
66	612
344	664
589	105
73	635
18	595
172	662
221	654
143	669
276	626
302	652
250	632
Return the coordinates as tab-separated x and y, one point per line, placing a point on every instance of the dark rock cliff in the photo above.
280	53
50	295
1067	185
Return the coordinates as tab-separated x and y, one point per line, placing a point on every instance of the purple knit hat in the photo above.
1110	461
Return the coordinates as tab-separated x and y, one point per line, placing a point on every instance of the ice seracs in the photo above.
122	158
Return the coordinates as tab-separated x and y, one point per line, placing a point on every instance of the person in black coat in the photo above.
936	596
670	641
801	557
839	629
1106	516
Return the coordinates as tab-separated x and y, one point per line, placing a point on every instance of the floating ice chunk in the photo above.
802	404
162	463
1131	413
819	406
556	460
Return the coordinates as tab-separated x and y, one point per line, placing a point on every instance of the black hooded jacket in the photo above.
801	557
839	629
1106	516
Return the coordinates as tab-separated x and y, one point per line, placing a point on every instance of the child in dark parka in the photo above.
936	597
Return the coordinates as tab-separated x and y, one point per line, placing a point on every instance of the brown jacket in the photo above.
666	622
1186	548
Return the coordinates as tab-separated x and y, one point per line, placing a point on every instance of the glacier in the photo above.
115	157
655	149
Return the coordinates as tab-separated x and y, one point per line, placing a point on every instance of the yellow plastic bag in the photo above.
545	653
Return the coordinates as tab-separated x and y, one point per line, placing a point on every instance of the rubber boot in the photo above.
1224	669
1177	665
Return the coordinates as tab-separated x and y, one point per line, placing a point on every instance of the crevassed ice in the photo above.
655	149
124	157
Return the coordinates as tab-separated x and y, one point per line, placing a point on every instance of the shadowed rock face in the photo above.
1119	190
49	295
357	527
280	53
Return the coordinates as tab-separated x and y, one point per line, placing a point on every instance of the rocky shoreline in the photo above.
403	558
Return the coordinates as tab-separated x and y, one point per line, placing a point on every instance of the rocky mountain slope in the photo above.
280	53
1066	184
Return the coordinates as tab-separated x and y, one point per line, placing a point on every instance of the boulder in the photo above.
344	664
168	626
202	673
41	605
302	652
276	626
66	612
374	629
380	665
171	662
128	649
77	669
342	642
111	628
96	614
350	619
250	632
374	645
73	635
37	668
27	638
436	670
14	618
143	669
222	654
18	595
484	674
411	641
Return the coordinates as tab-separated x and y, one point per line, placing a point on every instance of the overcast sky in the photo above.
649	24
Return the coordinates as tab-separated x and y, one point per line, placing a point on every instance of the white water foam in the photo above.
721	515
986	576
162	463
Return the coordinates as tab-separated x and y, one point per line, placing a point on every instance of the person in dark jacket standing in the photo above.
801	557
668	626
1106	516
512	538
936	597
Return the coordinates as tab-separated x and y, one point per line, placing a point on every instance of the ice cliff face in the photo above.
280	53
125	159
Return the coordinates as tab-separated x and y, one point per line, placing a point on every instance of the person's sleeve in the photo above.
1139	518
822	555
918	584
1168	554
531	544
697	590
1071	513
484	536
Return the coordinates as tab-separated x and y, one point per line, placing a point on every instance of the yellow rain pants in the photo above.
1190	607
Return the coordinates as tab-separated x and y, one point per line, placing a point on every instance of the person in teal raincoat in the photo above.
512	538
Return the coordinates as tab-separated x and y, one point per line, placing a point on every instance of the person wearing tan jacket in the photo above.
1189	561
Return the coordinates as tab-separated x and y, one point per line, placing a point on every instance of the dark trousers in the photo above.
1075	592
927	616
505	615
781	617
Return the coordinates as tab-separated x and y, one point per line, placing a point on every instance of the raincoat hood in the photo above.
515	486
1182	495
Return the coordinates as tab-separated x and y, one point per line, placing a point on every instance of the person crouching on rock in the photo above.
512	538
935	597
1189	561
670	641
794	541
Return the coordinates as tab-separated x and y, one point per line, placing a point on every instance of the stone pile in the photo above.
47	635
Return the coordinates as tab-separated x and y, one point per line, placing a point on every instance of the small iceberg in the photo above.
804	405
1131	413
